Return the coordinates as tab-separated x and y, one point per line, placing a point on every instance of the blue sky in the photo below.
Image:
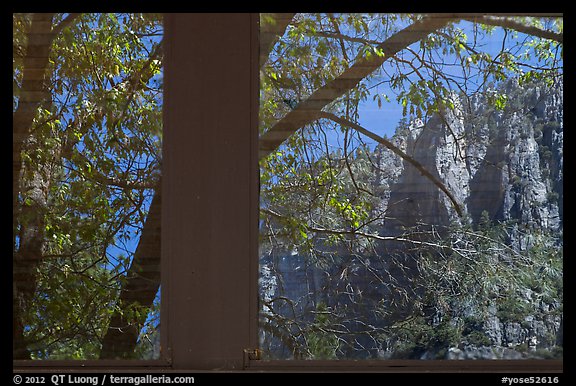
384	120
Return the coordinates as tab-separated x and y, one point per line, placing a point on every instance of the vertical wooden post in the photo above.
210	189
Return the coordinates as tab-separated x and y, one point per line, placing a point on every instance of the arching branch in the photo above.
308	110
507	22
272	27
65	23
398	152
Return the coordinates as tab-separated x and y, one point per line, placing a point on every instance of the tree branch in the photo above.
398	152
308	110
271	29
29	251
65	23
352	232
506	22
340	36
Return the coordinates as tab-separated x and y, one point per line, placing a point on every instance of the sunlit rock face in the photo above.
505	165
506	162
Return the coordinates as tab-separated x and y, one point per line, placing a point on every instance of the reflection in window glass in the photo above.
87	152
411	187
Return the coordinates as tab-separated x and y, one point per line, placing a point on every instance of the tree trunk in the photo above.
140	288
33	90
28	248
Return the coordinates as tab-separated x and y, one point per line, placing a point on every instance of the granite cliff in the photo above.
503	166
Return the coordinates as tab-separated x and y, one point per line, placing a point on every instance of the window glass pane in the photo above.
411	172
87	104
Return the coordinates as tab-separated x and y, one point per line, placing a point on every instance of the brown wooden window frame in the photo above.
210	212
